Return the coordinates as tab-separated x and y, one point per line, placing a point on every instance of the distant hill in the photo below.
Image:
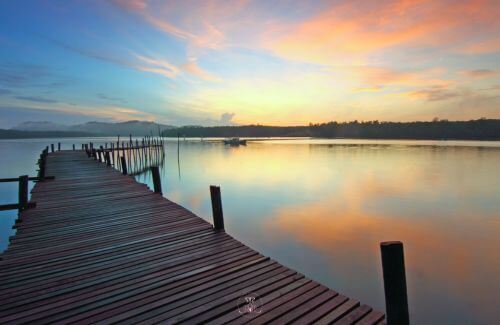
41	126
17	134
136	128
482	129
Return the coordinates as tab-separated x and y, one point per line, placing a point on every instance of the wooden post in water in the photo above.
73	146
108	159
52	147
393	267
41	165
217	207
124	165
155	171
59	146
23	192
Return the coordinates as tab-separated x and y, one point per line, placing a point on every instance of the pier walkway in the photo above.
100	247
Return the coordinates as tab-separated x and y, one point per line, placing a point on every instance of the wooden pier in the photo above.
101	248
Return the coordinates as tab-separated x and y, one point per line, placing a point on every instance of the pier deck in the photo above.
102	248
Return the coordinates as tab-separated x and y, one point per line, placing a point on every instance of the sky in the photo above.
248	62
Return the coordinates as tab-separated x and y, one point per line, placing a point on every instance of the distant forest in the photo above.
482	129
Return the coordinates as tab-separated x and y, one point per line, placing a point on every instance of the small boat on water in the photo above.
235	142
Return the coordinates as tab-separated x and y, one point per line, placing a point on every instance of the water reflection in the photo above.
323	206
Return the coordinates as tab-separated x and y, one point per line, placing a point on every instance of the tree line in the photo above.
481	129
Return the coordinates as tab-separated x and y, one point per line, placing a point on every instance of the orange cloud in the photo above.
193	68
157	66
435	94
480	73
372	78
351	31
481	47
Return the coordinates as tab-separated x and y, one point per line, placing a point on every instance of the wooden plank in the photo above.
314	315
355	315
339	312
373	317
289	306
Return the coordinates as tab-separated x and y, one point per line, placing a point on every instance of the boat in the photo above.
235	142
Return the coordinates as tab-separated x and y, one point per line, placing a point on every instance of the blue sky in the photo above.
267	62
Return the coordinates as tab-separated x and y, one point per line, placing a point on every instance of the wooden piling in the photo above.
41	165
59	146
124	165
73	146
393	267
155	171
108	159
23	192
52	147
217	207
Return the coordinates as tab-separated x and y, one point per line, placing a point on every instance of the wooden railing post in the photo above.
23	192
52	147
108	159
217	207
393	267
73	147
41	165
59	146
155	171
124	165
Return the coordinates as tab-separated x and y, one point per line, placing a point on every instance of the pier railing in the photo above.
129	157
23	180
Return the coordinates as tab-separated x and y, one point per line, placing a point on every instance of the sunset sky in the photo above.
242	62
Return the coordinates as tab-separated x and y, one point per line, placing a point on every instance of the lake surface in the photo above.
323	206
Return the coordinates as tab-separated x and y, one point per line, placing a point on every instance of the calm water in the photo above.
322	207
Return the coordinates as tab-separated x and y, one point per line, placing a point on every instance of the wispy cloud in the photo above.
5	91
112	99
37	99
193	68
158	66
132	5
203	25
435	94
489	45
480	73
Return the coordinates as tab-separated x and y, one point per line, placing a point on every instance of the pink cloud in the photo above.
480	73
193	68
354	30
